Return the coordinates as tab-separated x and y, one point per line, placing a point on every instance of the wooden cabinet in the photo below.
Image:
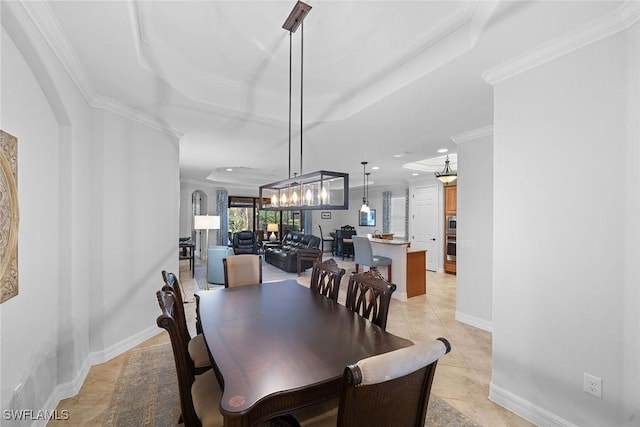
416	272
450	208
450	199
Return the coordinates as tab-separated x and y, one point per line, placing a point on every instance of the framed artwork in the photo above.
367	219
9	218
326	215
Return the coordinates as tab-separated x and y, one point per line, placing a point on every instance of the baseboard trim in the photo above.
72	388
525	409
117	349
476	322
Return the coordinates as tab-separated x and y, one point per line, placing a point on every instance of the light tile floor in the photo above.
462	377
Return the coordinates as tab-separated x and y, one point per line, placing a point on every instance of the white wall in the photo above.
566	237
98	197
475	232
30	321
350	216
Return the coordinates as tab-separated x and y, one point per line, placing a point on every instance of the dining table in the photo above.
278	347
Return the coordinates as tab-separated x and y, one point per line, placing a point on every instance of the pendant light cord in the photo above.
290	74
301	87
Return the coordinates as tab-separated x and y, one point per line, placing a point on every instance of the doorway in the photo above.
425	223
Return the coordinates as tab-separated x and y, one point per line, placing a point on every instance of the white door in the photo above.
425	223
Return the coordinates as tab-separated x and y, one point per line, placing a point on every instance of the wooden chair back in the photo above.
390	389
172	284
184	366
241	270
369	295
326	277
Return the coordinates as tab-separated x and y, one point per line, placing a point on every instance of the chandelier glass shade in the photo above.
317	190
447	175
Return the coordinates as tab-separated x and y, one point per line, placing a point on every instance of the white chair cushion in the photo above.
198	352
397	363
206	395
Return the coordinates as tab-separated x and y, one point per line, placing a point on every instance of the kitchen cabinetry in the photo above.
450	209
450	199
416	272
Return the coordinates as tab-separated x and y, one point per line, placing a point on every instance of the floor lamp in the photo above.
206	222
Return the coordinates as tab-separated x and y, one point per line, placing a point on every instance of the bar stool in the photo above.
364	255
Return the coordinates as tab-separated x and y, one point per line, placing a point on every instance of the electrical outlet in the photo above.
17	397
593	385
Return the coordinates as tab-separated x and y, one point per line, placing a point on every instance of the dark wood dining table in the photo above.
279	347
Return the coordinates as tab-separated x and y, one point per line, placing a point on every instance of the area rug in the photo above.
146	394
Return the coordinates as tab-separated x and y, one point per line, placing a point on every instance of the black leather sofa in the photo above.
285	255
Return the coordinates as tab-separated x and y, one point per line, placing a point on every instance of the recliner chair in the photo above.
245	242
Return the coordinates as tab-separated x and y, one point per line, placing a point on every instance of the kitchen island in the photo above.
408	266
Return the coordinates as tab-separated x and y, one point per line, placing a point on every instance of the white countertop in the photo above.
390	242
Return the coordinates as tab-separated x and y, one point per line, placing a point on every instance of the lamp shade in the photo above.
206	222
447	175
272	227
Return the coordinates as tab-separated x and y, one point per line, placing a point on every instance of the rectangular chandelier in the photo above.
317	190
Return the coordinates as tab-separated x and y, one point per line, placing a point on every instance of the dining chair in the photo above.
369	295
364	256
387	390
344	242
197	392
241	270
196	346
326	239
326	277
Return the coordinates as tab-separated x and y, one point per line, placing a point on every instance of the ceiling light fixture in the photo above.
317	190
447	175
365	201
442	150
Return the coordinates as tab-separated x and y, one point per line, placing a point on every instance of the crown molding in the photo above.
473	135
45	22
42	17
599	29
123	110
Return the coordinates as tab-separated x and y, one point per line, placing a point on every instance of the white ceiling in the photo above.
380	78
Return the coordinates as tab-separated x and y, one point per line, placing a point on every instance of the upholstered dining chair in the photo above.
197	392
241	270
326	277
387	390
324	238
364	256
196	346
369	295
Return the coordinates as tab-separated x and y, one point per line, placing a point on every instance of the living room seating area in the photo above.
285	255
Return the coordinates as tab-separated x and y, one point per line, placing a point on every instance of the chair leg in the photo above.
389	273
357	265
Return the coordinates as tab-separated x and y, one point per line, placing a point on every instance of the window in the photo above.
398	217
245	215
